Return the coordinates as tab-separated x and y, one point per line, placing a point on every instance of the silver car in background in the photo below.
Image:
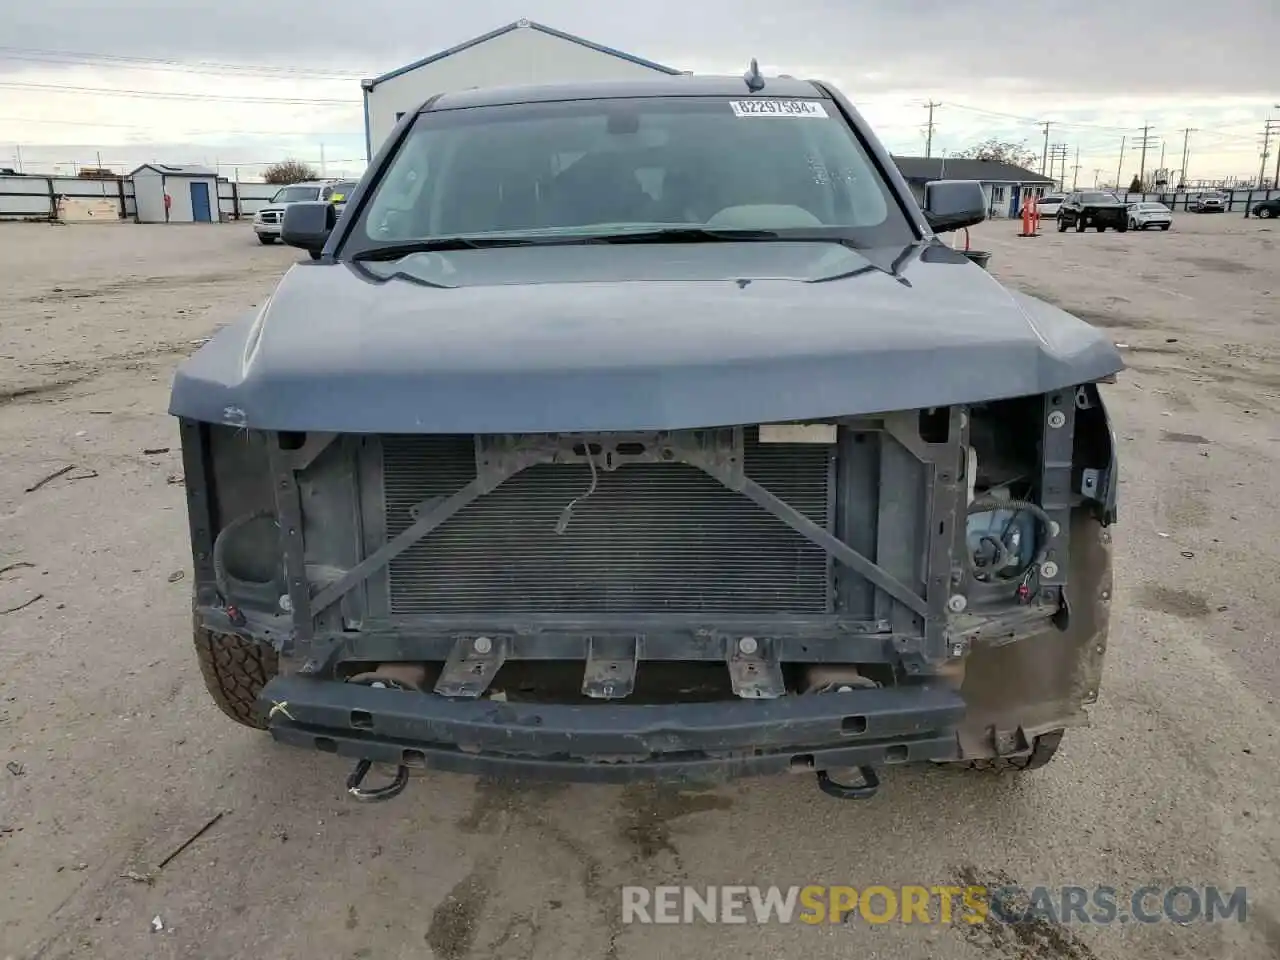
1208	203
1048	206
1149	214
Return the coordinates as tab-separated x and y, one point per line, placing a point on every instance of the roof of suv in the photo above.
658	86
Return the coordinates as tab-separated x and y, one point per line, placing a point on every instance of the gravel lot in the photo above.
116	755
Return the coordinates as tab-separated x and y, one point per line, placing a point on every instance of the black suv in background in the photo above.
1095	208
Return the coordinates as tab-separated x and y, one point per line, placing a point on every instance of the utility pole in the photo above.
1075	171
1267	128
928	141
1044	157
1058	161
1142	165
18	147
1275	182
1186	135
1120	165
1097	172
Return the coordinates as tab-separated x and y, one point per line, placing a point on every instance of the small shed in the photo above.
520	53
1005	185
192	192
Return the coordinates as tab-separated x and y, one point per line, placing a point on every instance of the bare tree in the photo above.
1002	151
289	171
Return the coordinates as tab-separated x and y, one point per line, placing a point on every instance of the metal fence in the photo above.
1237	201
54	198
79	198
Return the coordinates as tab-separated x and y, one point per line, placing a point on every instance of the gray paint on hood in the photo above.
631	337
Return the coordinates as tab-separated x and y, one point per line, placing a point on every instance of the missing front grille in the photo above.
651	538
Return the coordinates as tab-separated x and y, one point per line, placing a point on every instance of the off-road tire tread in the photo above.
1042	751
235	671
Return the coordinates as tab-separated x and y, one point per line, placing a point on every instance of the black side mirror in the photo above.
308	224
953	204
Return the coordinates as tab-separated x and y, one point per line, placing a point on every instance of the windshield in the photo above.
296	194
1098	198
602	167
338	192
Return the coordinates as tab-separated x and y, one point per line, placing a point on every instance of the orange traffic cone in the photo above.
1030	217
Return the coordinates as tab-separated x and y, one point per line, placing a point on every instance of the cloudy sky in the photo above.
241	83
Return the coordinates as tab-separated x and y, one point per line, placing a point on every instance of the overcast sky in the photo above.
1099	69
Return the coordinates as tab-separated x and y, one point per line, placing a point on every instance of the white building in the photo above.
192	191
520	53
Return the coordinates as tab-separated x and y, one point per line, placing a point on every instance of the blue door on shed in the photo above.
200	202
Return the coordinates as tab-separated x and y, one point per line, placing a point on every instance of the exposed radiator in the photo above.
652	538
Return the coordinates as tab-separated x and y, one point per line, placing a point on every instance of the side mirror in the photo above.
953	204
308	224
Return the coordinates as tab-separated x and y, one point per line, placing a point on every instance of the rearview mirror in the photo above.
308	224
953	204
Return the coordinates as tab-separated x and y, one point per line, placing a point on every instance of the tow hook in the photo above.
377	794
844	791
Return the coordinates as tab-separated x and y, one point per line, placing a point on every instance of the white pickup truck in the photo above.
267	221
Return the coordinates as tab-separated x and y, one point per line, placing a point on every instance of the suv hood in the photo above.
565	339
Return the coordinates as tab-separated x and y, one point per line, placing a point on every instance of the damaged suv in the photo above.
648	430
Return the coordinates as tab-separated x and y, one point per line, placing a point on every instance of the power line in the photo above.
194	66
1032	120
184	131
159	95
991	113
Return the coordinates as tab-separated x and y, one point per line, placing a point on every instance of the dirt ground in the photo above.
116	755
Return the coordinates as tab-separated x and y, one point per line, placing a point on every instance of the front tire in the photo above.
1079	224
265	240
235	670
1062	225
1165	226
1133	224
1265	213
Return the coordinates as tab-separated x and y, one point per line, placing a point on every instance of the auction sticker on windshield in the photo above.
778	108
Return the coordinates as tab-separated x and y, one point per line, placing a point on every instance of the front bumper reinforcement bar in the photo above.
614	743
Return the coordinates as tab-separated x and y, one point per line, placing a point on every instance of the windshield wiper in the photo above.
677	235
395	251
664	235
725	235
